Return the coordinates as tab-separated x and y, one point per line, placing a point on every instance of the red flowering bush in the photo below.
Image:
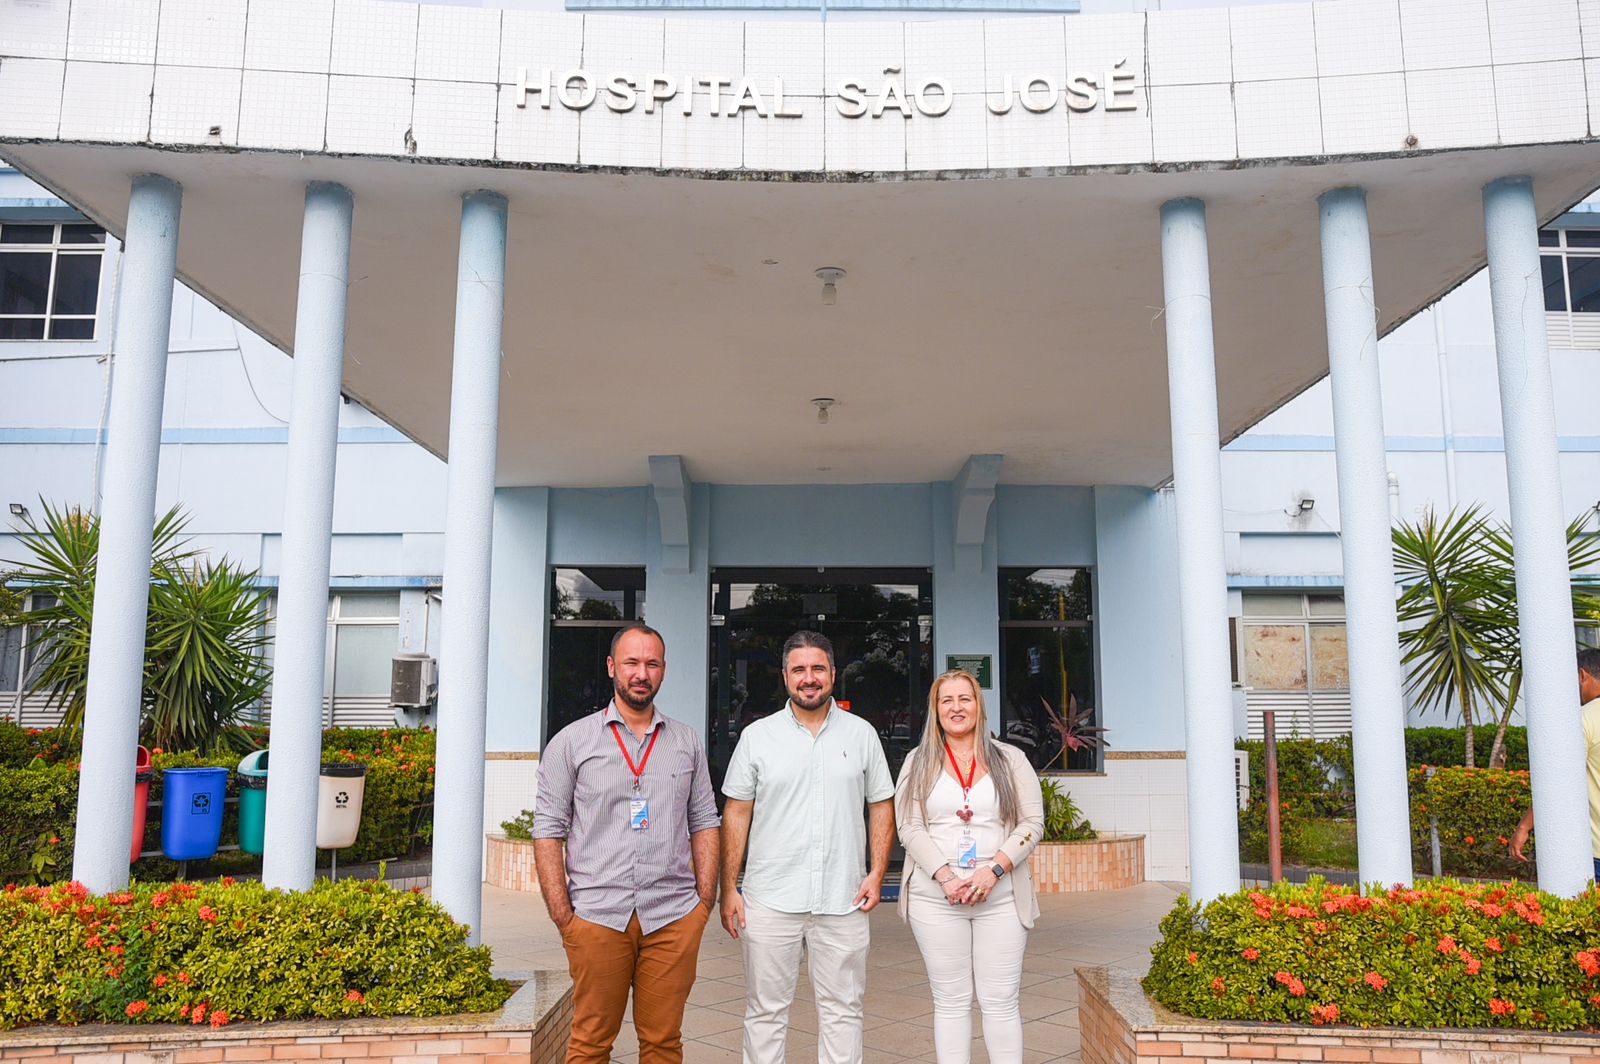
1477	810
1447	955
220	953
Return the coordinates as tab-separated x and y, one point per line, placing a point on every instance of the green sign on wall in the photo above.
980	665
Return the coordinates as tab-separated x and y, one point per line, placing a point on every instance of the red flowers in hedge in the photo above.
1296	987
1321	1014
1375	981
355	996
1502	1008
137	1008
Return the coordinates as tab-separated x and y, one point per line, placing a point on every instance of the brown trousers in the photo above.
659	968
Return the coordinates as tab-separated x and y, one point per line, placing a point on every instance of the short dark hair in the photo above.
1589	661
636	626
806	638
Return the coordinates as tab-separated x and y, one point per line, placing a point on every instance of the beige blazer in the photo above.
922	853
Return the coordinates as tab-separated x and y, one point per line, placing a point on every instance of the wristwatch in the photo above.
998	870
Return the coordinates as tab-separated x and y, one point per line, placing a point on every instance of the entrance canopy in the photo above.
1002	291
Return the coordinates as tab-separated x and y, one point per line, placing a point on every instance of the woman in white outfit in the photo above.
970	812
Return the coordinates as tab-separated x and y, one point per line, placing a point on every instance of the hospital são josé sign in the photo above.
1113	89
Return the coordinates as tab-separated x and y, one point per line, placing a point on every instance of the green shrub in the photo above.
38	805
1314	783
19	746
1447	746
1063	821
224	952
1451	955
520	827
1477	810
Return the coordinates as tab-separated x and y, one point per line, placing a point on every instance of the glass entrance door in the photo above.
880	622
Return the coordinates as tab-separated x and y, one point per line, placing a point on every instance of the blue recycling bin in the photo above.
192	802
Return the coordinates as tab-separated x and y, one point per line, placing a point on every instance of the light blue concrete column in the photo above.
300	651
677	603
1383	823
127	522
1202	569
966	598
1544	591
468	545
519	618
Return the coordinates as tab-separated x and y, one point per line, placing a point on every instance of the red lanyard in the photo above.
638	770
966	784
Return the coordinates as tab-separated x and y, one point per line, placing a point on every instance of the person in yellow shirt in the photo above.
1589	695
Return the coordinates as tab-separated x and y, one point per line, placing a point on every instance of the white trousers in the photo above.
964	945
837	949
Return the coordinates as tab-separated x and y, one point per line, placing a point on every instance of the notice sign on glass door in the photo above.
980	665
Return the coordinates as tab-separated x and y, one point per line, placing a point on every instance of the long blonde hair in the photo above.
927	760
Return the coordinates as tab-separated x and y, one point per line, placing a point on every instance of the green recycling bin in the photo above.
253	803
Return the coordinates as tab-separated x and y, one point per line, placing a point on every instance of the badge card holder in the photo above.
639	813
966	852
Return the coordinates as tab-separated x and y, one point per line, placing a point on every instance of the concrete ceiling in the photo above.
1018	315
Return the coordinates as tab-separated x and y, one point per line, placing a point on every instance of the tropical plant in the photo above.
1076	727
519	827
1459	636
203	635
1063	821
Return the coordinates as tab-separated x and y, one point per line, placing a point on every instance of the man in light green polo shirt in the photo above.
795	787
1589	695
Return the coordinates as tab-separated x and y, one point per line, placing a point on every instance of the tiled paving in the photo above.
1107	927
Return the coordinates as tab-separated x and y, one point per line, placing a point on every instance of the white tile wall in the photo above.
1589	23
1024	48
1095	42
606	138
369	115
949	50
1020	138
861	52
375	38
786	143
1540	102
30	97
1139	797
702	140
1358	37
1276	119
202	33
1591	73
694	47
789	50
458	44
1452	108
189	101
284	110
1190	47
106	102
509	787
1533	31
1193	123
36	30
113	31
867	143
1101	138
539	39
289	35
533	135
956	141
1364	113
1272	42
1445	33
454	119
622	45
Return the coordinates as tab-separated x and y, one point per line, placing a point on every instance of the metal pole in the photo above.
1202	570
1269	725
290	858
1383	825
1556	748
468	537
122	582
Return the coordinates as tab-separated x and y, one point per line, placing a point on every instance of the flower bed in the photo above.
1109	862
508	863
215	954
1450	955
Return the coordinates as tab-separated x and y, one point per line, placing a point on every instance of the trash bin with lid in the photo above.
192	803
142	774
253	803
340	790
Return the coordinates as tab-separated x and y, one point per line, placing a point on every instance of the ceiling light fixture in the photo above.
823	405
830	277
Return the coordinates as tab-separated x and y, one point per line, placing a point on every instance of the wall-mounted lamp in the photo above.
19	510
823	405
1307	504
830	276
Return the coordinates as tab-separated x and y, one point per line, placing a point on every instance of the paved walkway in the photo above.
1109	927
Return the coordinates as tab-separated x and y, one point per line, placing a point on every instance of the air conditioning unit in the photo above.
1241	778
413	680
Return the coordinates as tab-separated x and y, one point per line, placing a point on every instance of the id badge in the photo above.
638	813
966	852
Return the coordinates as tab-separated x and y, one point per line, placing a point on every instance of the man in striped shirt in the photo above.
626	845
